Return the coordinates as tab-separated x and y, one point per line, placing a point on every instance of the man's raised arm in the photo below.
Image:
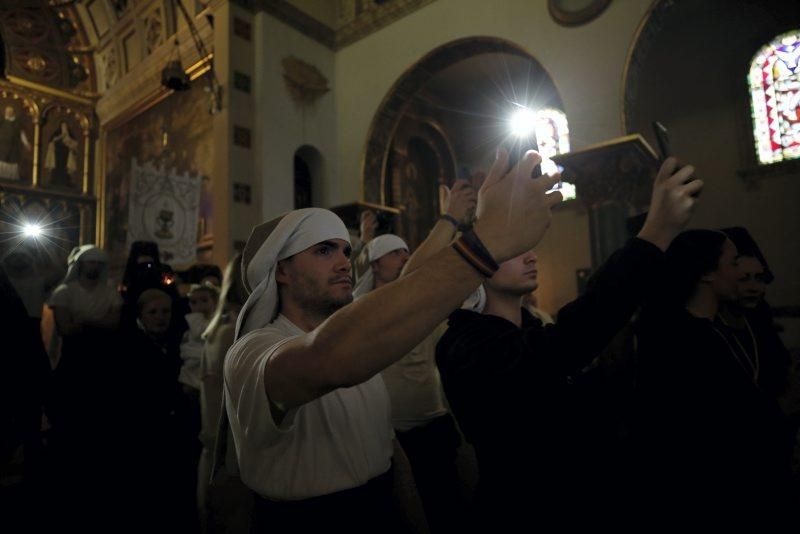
367	336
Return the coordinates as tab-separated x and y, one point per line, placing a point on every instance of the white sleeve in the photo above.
246	395
60	297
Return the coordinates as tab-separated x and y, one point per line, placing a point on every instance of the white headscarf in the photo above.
376	249
296	231
84	253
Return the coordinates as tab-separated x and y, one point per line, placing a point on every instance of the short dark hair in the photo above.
747	246
692	255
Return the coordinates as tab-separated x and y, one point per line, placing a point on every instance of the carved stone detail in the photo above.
153	30
304	81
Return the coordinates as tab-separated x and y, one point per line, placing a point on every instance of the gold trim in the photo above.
86	143
626	68
19	188
612	142
406	72
351	32
36	135
21	82
100	193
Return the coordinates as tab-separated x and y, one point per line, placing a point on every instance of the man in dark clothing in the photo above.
750	317
508	377
713	445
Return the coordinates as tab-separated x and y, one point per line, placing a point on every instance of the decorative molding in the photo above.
366	20
144	83
299	20
304	81
569	16
374	19
45	44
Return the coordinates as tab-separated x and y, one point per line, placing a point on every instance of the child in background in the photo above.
202	301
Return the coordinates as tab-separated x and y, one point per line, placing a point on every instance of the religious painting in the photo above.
63	135
16	138
171	138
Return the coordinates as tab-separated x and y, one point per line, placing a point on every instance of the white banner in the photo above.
164	208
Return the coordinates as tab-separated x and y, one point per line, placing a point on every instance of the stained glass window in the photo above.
775	99
552	136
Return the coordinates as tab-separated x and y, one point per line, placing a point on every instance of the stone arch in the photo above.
390	112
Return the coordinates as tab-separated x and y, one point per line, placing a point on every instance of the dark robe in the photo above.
517	397
713	444
59	175
10	141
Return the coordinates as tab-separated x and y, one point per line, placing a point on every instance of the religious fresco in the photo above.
38	37
16	138
174	137
64	134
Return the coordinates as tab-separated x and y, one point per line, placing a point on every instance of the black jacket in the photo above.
515	392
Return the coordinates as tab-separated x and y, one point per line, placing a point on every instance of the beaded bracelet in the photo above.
470	247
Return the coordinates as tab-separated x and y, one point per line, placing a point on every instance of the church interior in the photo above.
186	123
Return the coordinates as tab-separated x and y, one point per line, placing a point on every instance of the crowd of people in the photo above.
329	382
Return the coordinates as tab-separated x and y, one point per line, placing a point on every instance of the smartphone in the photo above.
662	138
517	148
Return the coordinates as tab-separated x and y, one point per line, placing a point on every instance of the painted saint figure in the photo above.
61	159
12	141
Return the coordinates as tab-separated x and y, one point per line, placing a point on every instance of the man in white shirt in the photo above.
308	409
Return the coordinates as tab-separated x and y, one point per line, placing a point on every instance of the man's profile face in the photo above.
751	284
725	280
318	279
8	113
516	276
387	268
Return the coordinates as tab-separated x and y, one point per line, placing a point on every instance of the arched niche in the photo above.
692	76
308	177
443	119
689	69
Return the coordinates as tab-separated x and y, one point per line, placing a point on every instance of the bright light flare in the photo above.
523	122
31	230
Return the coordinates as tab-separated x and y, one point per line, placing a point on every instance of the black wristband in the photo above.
452	220
470	247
